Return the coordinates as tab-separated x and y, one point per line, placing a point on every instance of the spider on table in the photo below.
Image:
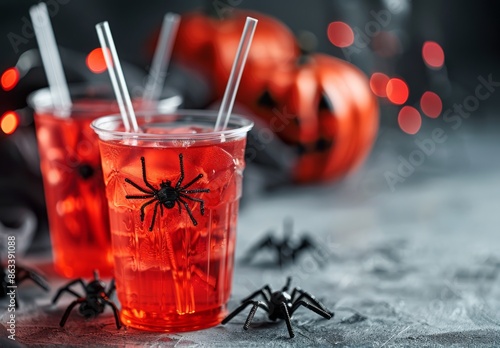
287	250
93	303
280	305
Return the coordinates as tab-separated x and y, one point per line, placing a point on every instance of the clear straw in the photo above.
235	76
161	57
51	60
117	78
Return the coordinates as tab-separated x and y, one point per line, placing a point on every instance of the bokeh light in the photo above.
9	79
340	34
409	120
95	61
397	91
9	122
431	104
378	84
433	54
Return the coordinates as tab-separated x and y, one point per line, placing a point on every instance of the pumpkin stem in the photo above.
307	45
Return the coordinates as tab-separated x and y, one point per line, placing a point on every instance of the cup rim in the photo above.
41	100
238	125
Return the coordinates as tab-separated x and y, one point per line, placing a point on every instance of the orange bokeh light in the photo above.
431	104
340	34
9	122
397	91
378	84
409	120
95	61
433	54
9	79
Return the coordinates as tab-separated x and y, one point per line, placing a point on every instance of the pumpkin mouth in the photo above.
319	146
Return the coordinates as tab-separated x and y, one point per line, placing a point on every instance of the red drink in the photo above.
173	264
74	189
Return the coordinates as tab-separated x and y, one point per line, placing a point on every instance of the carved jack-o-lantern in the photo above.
324	108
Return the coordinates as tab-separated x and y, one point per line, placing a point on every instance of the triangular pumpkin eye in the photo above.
266	100
325	104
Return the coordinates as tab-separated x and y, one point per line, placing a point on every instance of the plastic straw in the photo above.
117	78
235	76
50	56
161	57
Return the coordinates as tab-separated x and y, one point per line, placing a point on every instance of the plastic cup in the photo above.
72	177
173	235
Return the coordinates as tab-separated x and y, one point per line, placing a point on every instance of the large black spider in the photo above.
21	274
287	249
95	300
167	196
280	305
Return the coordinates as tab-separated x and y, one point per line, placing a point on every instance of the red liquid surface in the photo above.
178	276
75	193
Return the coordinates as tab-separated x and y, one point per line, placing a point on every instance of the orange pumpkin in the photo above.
322	106
209	44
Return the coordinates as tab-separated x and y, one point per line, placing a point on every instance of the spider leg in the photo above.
181	178
305	243
287	285
143	162
179	205
234	313
67	289
268	288
115	312
36	278
287	320
258	292
190	213
138	197
196	190
69	309
39	280
154	217
313	308
201	201
196	178
310	298
153	190
266	242
256	305
144	206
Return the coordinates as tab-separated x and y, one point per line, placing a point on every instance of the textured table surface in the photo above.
415	267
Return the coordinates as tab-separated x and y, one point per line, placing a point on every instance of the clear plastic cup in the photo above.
72	176
173	193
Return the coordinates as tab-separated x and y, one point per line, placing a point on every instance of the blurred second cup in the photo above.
72	176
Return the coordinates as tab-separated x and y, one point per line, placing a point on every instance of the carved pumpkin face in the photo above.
209	44
323	107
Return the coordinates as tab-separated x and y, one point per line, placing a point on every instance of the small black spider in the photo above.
167	196
95	300
21	274
280	305
287	250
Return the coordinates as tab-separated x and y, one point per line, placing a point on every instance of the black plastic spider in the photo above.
280	305
95	300
167	196
287	250
21	274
